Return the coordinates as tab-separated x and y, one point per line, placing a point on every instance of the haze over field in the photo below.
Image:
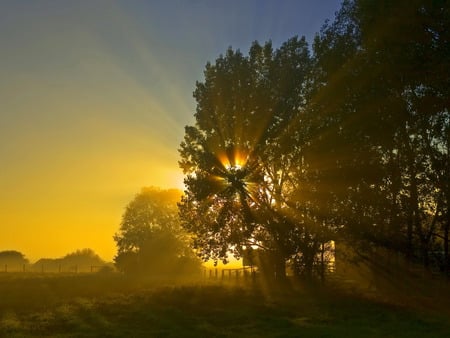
94	96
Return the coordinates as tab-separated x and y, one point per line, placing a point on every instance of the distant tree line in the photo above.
12	258
348	140
79	260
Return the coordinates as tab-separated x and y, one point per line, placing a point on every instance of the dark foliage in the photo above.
150	240
352	143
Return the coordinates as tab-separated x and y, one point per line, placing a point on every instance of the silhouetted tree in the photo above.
289	150
12	259
77	261
382	118
83	257
150	240
242	155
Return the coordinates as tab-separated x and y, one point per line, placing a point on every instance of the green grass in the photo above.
111	306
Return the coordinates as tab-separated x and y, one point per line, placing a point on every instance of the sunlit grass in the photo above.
112	306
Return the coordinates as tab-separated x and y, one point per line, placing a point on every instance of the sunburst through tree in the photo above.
242	157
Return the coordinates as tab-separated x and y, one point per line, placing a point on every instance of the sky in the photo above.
94	97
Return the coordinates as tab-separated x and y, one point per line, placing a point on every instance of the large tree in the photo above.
288	150
382	102
241	155
150	240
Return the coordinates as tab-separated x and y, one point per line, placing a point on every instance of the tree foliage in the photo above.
383	106
79	260
241	156
86	257
290	150
12	257
150	240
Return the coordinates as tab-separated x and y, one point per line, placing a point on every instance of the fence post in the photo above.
6	267
23	267
42	268
59	268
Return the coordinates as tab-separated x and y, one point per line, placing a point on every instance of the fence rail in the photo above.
42	268
229	274
324	272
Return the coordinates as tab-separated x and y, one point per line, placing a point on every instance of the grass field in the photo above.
95	305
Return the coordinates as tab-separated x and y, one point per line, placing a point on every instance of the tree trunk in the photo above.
446	253
280	267
426	257
322	263
409	239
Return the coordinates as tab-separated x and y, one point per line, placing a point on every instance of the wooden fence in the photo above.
59	268
247	273
244	273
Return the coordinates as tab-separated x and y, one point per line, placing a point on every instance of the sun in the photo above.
236	166
235	160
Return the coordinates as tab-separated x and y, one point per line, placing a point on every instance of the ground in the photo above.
109	305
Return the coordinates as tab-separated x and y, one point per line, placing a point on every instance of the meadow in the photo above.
110	305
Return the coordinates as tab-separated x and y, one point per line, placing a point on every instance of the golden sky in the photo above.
94	97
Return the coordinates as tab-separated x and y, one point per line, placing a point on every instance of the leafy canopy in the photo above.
240	155
150	239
